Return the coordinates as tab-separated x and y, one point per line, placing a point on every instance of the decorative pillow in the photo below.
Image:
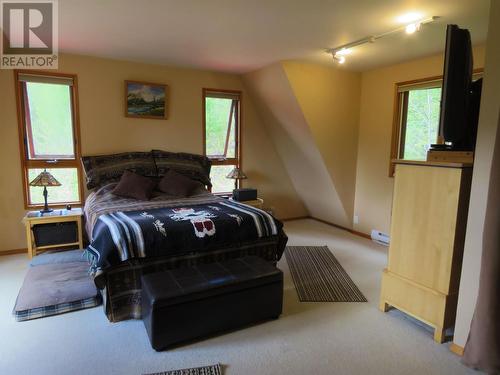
135	186
178	185
103	169
196	167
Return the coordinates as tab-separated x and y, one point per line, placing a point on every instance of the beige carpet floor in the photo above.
309	338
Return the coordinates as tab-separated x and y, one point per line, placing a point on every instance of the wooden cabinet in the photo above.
429	217
35	218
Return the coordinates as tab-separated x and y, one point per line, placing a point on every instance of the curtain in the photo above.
482	350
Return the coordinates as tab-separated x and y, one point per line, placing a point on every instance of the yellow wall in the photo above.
329	99
311	112
104	129
373	198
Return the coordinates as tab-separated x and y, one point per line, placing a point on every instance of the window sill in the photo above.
224	195
53	206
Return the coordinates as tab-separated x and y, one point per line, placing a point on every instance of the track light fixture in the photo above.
339	53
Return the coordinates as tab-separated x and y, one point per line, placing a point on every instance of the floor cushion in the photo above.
55	288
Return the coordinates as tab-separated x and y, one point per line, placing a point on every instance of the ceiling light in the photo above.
412	27
338	58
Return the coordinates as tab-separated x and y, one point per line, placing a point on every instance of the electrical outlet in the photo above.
356	219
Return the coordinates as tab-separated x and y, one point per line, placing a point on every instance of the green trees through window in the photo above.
220	126
222	129
67	192
47	124
422	122
50	128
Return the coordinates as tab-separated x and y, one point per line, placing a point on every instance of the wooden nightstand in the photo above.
257	203
47	225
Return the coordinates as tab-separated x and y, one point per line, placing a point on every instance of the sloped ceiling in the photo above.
311	113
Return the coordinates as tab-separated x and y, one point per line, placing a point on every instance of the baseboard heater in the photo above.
380	238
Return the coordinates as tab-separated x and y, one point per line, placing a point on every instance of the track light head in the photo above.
338	57
412	27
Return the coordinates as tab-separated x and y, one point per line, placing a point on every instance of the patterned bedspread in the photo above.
102	201
122	229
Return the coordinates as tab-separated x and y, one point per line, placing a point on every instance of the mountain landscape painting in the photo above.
145	100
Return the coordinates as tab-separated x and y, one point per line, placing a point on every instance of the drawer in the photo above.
55	233
418	301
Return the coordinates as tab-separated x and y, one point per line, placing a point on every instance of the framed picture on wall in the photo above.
146	100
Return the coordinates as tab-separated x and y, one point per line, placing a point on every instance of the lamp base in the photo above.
46	208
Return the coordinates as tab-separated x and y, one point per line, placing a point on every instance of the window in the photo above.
416	118
48	134
419	121
221	128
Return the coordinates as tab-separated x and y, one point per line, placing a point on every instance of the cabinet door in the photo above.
423	224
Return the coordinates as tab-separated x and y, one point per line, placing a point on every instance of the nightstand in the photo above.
257	203
53	230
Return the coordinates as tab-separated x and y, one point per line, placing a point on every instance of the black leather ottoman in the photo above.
188	303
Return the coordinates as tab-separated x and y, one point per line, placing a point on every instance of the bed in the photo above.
129	237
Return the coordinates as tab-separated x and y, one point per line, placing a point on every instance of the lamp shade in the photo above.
236	174
45	179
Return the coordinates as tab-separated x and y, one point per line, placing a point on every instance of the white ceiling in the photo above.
245	35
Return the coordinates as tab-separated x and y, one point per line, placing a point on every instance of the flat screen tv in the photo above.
460	96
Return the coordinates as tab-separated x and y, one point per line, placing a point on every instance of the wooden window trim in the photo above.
399	114
404	97
236	161
27	163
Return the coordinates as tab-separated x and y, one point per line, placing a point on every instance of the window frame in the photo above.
43	161
237	160
400	110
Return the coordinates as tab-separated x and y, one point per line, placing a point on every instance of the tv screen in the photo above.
455	97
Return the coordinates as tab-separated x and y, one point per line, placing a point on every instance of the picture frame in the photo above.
146	100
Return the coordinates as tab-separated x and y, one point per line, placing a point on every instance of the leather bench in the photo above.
188	303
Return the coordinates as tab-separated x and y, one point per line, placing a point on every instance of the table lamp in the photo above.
237	174
241	194
45	179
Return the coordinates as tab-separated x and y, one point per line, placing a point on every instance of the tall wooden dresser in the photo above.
429	217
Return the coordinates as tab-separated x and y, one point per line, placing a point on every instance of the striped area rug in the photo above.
319	277
205	370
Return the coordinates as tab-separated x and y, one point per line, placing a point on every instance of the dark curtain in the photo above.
482	350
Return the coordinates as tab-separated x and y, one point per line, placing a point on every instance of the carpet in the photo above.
319	277
205	370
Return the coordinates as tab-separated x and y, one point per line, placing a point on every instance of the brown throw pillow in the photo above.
178	185
133	185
